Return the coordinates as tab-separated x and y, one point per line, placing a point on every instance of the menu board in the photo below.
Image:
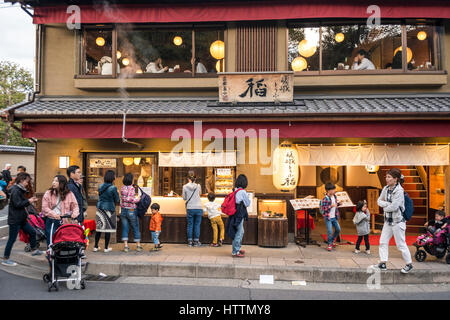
102	163
306	203
345	199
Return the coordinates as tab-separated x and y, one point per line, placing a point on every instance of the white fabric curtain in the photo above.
197	159
392	155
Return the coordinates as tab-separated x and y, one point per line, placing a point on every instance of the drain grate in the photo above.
93	277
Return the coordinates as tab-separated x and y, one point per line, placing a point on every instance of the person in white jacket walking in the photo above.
392	200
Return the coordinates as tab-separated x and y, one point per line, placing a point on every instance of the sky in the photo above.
17	36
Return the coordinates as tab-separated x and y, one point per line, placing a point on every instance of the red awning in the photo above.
354	129
243	11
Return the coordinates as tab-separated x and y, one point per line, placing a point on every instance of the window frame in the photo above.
221	27
437	32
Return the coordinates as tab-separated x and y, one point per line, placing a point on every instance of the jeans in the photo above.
366	242
128	217
217	222
14	231
194	220
337	229
48	228
237	241
155	236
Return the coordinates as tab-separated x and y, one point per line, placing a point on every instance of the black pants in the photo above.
366	242
97	238
14	231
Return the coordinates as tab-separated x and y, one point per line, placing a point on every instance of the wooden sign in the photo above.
102	163
256	87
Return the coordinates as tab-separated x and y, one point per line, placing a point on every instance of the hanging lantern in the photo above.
100	41
306	49
177	41
217	49
220	65
422	35
372	169
285	167
137	161
127	161
409	53
125	61
339	37
118	54
299	64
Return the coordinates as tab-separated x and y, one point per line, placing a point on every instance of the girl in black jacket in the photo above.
17	217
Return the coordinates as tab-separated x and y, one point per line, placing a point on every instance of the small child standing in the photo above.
362	222
155	226
216	220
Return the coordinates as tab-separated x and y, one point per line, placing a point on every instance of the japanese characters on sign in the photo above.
102	163
256	87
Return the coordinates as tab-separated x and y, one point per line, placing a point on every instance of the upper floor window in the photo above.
148	51
358	46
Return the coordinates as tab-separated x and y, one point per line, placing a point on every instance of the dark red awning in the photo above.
354	129
244	11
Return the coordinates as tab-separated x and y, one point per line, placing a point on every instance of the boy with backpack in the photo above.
329	209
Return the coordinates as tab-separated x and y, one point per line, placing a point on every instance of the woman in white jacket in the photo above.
392	200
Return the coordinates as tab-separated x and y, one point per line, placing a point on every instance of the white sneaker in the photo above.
95	249
367	251
357	251
108	250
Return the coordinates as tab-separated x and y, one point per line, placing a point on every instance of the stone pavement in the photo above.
312	264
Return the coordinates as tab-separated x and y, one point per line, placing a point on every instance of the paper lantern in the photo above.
137	161
220	65
118	54
177	41
372	169
299	64
217	49
409	53
339	37
100	41
139	71
422	35
306	49
125	61
285	167
127	161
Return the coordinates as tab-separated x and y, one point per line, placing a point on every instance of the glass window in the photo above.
420	46
98	48
209	51
361	47
154	51
143	168
303	49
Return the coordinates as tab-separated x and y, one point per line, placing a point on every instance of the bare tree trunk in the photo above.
6	137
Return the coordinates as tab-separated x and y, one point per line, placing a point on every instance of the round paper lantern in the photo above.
285	167
422	35
139	71
217	49
306	49
372	169
177	40
127	161
339	37
125	61
137	161
220	66
409	53
100	41
118	54
299	64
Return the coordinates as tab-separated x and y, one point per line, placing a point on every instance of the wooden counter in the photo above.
273	232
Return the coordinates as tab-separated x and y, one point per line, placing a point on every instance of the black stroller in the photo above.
64	255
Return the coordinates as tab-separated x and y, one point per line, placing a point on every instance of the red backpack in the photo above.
229	203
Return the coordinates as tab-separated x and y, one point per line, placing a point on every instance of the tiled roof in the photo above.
316	105
18	149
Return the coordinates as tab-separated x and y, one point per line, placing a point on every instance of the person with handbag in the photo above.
105	218
128	215
17	218
58	201
194	210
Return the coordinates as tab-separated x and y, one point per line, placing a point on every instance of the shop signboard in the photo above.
306	203
344	197
256	87
102	163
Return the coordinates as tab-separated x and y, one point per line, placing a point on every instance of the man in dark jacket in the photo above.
17	217
74	175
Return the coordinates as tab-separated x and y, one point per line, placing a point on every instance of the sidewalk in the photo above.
312	264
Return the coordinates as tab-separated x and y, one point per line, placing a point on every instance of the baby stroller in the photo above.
36	222
64	255
436	245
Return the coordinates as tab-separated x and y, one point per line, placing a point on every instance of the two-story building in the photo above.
365	82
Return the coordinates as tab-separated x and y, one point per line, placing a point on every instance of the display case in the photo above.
268	208
224	181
